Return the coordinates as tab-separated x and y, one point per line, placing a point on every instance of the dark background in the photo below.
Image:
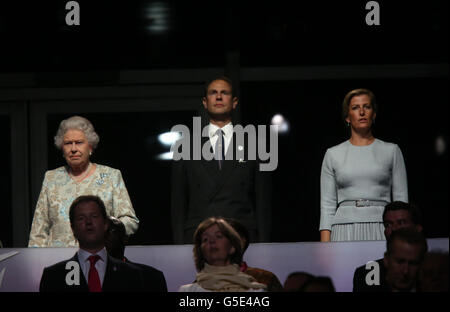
116	36
413	120
113	37
5	177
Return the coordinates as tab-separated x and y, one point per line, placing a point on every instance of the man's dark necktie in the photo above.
93	278
219	153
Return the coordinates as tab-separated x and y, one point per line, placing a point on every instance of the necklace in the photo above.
82	176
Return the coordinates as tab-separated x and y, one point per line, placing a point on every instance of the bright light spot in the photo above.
157	15
168	138
283	124
165	156
440	145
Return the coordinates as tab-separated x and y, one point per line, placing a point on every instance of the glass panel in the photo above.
5	183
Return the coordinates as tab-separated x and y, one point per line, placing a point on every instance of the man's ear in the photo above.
235	102
386	232
73	231
106	226
204	103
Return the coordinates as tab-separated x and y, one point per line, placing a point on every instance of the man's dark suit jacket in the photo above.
239	191
154	279
119	277
359	279
265	277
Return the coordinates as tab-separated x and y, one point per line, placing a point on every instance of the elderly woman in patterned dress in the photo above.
77	139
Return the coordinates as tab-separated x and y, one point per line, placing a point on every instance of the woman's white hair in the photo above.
77	123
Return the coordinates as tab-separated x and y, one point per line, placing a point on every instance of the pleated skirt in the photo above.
357	231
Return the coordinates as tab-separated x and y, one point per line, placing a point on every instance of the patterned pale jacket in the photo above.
51	224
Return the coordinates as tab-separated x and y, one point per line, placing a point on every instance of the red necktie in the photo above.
93	278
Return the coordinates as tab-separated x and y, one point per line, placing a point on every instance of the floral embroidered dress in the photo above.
51	224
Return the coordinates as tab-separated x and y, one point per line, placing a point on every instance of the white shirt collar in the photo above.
83	255
227	129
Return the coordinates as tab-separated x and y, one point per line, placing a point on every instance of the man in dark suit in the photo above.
405	253
397	215
116	239
226	186
91	268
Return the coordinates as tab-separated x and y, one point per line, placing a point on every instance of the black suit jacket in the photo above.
359	279
240	191
119	277
154	279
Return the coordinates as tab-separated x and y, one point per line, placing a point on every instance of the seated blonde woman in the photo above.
217	256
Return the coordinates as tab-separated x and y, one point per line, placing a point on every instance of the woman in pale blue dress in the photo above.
359	176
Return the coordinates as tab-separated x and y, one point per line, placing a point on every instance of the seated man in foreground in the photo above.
397	215
91	269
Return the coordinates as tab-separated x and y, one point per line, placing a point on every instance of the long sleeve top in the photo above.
373	172
51	224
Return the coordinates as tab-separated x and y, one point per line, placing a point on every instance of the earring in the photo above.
90	153
348	124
